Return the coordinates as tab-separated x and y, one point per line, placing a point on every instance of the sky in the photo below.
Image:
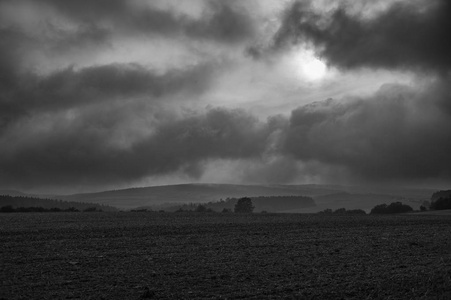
111	94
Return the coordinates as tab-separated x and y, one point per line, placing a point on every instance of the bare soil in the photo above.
211	256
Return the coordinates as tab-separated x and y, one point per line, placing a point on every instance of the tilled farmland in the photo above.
214	255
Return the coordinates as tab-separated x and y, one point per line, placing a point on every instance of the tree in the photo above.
244	205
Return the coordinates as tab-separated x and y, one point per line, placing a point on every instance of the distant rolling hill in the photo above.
325	196
189	193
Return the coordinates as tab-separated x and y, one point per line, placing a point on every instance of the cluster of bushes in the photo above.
147	210
242	205
10	209
343	211
392	208
200	208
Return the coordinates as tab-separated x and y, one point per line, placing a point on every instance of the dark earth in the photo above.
223	255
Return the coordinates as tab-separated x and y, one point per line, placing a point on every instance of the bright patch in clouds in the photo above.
308	66
314	69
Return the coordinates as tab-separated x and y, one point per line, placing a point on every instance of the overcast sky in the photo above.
111	94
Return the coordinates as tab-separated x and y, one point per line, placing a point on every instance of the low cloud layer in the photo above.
407	35
399	133
87	151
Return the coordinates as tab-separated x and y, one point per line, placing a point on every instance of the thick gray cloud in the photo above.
406	35
84	36
107	123
399	133
71	88
222	21
25	91
83	151
13	45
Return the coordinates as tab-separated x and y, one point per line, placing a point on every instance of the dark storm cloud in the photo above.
24	91
406	35
82	152
399	133
105	124
221	21
71	88
13	45
84	36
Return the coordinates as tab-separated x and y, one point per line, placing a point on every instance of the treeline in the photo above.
10	209
392	208
267	204
34	203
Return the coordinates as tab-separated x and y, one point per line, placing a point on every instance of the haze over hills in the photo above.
325	196
190	193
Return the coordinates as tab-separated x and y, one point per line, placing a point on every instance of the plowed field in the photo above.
211	256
